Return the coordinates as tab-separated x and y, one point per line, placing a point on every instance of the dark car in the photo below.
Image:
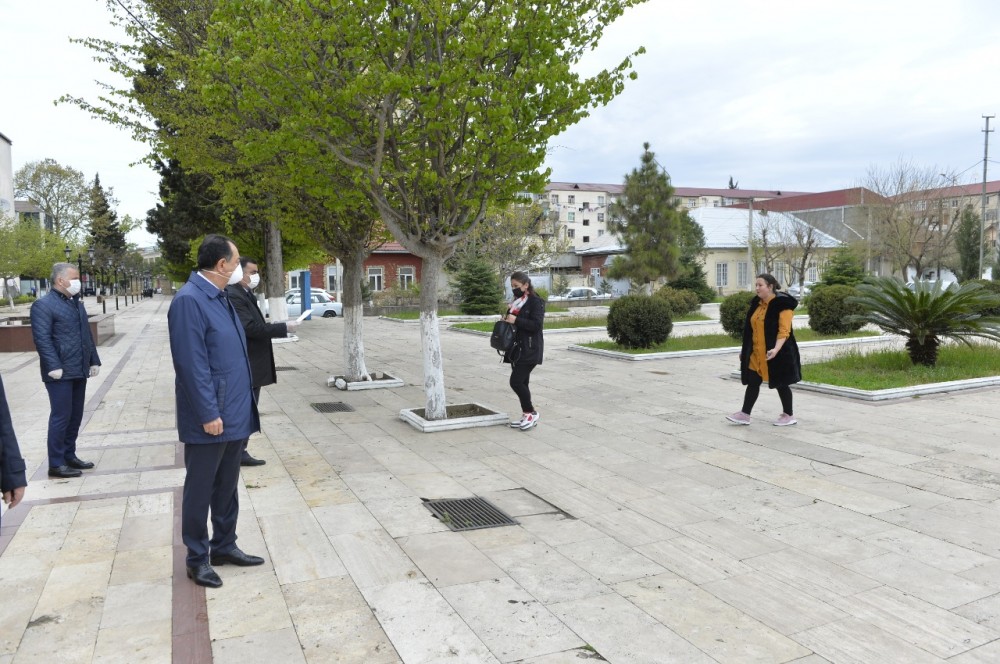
88	290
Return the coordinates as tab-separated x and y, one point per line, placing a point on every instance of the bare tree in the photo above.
799	242
909	226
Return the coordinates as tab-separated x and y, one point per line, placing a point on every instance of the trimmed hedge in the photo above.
733	313
639	321
828	310
682	301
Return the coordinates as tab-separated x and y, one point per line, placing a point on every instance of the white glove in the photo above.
94	370
56	374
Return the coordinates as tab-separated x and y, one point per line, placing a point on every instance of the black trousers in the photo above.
753	391
519	375
256	400
213	473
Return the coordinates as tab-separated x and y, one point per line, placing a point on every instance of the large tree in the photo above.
648	219
969	245
60	191
434	108
26	250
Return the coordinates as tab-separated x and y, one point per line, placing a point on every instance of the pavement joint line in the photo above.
125	446
126	431
191	642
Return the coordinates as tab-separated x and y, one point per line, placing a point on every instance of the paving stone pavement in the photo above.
650	530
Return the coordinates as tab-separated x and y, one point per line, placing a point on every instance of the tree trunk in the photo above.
274	278
354	345
923	353
430	339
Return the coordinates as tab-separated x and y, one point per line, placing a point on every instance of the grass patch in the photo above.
567	323
706	341
883	369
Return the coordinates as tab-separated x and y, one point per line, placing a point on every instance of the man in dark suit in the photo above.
216	412
259	334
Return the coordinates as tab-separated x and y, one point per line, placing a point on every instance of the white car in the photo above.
794	289
580	293
322	305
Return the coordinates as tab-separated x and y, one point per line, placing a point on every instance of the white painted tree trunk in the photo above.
274	277
430	340
354	343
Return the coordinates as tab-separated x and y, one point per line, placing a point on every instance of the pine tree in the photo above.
843	268
105	231
477	285
967	244
649	222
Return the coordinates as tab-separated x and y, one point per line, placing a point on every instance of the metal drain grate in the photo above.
286	368
468	513
332	407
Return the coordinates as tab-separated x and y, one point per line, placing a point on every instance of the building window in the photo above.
406	276
586	238
586	222
331	279
600	217
571	216
555	199
571	199
293	281
571	233
600	200
586	205
600	233
722	274
812	273
742	274
375	278
693	202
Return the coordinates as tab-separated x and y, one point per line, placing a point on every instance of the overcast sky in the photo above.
796	96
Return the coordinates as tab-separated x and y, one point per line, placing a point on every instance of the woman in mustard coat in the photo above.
769	350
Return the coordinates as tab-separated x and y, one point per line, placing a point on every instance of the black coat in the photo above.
259	334
528	331
786	368
12	467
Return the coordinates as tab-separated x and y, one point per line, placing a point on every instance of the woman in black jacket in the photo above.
527	313
769	350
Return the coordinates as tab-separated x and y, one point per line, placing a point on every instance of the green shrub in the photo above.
993	287
733	313
829	312
639	321
479	289
695	281
23	299
542	293
682	301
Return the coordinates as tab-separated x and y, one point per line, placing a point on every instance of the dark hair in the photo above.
524	279
213	249
770	281
244	260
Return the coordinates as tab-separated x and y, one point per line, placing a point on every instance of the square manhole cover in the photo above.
332	407
468	513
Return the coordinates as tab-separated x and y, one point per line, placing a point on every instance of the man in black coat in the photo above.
12	467
259	334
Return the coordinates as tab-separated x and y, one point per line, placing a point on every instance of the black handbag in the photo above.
503	338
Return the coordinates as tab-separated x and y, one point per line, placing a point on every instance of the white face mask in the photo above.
74	287
234	278
254	281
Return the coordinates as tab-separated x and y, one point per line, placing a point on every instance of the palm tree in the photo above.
925	313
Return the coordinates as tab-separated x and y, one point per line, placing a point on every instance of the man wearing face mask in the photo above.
216	412
67	357
259	334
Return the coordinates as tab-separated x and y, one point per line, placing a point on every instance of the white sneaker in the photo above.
739	418
517	425
785	421
530	420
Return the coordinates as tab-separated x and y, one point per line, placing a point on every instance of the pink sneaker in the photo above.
739	418
785	421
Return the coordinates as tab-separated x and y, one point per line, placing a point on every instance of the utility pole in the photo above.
982	219
750	267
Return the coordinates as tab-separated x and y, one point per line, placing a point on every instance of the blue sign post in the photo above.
306	297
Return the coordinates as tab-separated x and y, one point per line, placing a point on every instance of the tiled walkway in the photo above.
650	530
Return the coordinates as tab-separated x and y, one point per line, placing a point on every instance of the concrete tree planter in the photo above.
460	416
379	380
